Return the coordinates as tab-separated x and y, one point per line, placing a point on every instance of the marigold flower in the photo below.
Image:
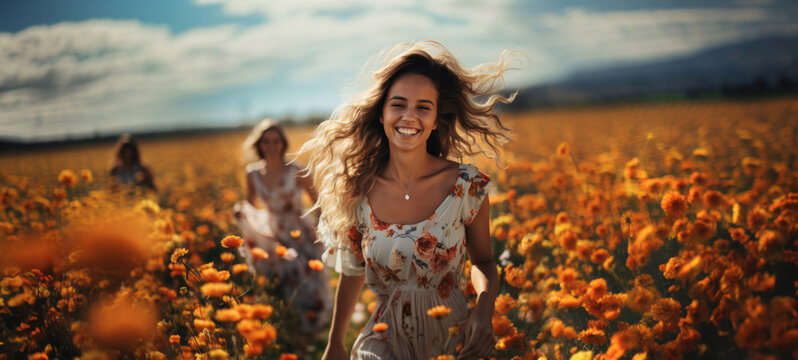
240	268
295	233
213	275
218	354
258	253
232	241
562	150
674	205
592	336
227	257
439	311
38	356
569	302
666	310
67	178
178	253
216	289
227	315
174	339
202	324
514	276
315	264
380	327
502	326
285	356
505	303
757	219
280	250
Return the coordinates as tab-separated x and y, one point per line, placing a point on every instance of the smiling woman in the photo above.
395	145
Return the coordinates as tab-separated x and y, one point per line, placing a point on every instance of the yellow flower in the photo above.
178	253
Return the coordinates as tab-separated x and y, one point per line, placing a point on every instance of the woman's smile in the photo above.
410	111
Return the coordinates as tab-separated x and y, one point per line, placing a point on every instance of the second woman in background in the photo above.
277	187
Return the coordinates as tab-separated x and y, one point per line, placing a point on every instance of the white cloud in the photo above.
104	74
646	34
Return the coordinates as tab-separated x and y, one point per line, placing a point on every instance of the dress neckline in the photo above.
460	170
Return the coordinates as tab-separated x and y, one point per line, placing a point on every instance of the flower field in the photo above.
645	231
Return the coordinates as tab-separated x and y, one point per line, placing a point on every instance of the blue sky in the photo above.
77	68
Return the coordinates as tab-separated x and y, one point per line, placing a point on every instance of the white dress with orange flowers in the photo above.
411	269
281	223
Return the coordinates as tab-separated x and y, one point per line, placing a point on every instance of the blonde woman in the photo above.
399	215
271	217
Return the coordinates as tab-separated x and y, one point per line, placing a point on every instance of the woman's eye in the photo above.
423	108
396	105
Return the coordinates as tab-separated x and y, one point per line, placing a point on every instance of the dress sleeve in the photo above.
477	186
345	259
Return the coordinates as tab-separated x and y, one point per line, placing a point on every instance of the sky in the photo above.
72	69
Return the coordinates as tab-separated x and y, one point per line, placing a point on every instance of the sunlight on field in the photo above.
628	231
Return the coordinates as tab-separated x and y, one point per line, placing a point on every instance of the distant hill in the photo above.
759	67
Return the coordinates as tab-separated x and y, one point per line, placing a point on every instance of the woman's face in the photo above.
270	144
409	113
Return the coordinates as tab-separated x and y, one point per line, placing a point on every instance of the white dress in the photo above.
412	268
266	228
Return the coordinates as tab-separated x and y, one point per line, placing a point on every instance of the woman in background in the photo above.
127	169
398	214
272	216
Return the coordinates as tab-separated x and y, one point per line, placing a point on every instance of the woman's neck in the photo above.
407	168
274	164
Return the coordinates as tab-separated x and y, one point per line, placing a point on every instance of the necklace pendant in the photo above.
407	196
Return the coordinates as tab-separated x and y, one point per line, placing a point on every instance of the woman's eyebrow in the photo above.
397	97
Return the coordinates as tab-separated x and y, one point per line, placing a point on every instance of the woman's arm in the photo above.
346	296
251	195
479	328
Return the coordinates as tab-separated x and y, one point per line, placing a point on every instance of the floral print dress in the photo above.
411	269
266	228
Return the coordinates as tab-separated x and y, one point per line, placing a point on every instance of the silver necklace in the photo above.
406	191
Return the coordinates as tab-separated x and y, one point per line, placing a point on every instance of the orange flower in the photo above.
592	336
280	250
674	205
218	354
505	303
178	253
259	254
295	233
285	356
502	326
569	302
38	356
239	268
232	241
212	275
562	150
216	289
514	276
315	265
227	315
227	257
67	178
380	327
174	339
439	311
86	176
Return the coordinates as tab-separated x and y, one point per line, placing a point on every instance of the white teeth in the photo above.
408	131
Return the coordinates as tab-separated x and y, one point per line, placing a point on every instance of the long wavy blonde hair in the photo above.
349	150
